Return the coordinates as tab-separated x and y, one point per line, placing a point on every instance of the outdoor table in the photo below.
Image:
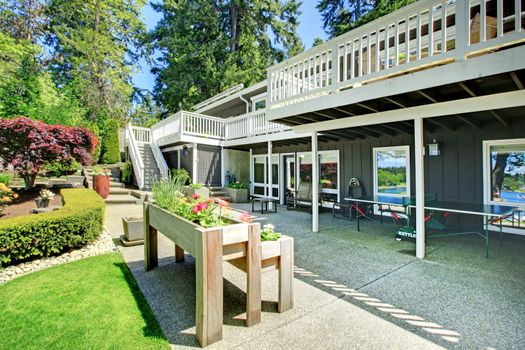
492	214
264	202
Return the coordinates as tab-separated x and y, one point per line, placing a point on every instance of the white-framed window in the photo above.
391	167
504	178
258	102
329	172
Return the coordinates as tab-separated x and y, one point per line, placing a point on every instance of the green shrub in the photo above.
6	178
237	185
181	177
127	173
110	143
197	186
79	222
57	169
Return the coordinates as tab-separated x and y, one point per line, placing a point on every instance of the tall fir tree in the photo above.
207	46
341	16
95	47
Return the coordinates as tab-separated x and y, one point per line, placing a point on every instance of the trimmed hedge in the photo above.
79	222
110	143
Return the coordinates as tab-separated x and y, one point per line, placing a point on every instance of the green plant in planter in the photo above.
98	170
197	186
268	233
127	172
180	176
237	186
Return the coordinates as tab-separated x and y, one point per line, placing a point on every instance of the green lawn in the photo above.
93	303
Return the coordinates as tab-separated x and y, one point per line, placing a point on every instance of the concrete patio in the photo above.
353	290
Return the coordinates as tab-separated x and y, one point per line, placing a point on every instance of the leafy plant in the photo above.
180	176
61	168
6	196
127	173
6	178
268	233
237	185
197	186
46	195
110	143
99	170
78	222
28	145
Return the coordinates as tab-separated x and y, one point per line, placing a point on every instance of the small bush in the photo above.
197	186
237	185
127	173
181	177
6	178
79	222
58	169
110	143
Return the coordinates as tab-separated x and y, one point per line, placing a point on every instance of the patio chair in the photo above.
303	195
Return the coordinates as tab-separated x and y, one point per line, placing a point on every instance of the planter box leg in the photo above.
286	276
151	259
209	284
253	270
179	254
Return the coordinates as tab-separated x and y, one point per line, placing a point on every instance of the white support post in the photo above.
420	186
179	151
251	171
315	183
195	164
462	29
223	162
270	174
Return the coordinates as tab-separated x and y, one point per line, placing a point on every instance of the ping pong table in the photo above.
493	214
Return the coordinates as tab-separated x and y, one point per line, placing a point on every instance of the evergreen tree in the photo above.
95	45
341	16
207	46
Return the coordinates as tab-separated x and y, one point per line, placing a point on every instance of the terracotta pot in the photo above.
101	185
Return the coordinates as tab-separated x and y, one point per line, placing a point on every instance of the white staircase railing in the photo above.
159	159
134	154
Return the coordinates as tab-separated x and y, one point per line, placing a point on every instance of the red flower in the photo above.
199	206
196	196
246	217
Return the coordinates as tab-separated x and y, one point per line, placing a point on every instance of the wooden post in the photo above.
253	275
209	284
286	275
151	259
179	254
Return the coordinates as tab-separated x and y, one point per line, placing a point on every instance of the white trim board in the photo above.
494	63
466	105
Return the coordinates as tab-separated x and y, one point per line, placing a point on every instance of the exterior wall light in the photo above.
433	148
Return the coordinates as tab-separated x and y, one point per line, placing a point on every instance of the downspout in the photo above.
247	103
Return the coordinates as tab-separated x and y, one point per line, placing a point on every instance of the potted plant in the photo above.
212	232
101	181
43	198
238	192
197	189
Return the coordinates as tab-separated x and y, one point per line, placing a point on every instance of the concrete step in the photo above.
224	198
119	191
116	184
122	199
218	193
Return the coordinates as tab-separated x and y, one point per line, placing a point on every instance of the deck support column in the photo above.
250	187
195	167
270	174
223	171
315	183
419	153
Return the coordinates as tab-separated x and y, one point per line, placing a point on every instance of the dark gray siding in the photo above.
209	166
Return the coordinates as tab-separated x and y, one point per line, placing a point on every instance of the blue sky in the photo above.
310	27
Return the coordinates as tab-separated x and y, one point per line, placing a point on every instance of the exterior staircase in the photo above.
151	169
118	194
219	192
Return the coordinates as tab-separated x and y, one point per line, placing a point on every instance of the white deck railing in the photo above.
251	124
191	124
425	33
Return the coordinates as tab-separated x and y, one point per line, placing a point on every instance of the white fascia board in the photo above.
490	64
466	105
244	91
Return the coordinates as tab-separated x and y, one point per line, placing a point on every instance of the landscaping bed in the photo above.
93	303
25	203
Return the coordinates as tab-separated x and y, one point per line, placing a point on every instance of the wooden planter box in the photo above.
238	195
201	192
239	244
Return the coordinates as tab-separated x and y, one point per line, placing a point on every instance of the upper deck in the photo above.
363	63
